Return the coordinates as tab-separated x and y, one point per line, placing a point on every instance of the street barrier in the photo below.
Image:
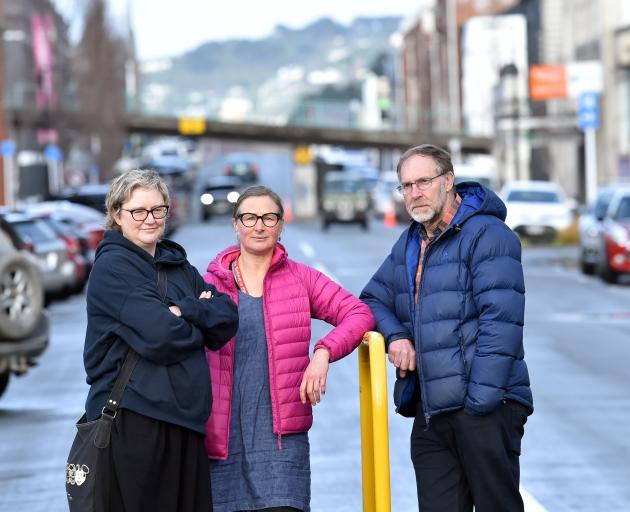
374	427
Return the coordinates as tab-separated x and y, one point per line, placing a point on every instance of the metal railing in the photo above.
374	426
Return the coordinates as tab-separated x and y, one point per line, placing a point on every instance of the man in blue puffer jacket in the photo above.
450	301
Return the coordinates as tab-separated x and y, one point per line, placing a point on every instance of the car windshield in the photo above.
534	196
34	231
623	210
602	203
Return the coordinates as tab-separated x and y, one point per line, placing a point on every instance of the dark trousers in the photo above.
463	460
275	509
154	466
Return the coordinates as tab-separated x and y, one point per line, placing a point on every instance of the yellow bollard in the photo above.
374	426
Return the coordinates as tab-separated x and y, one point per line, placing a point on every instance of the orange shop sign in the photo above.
547	82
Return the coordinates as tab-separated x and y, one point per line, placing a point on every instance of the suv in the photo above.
23	325
536	209
345	199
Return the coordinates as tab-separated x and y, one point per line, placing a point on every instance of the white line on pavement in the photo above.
531	503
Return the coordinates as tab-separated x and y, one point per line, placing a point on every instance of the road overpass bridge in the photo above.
289	134
347	137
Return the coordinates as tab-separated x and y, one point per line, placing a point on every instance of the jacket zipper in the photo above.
272	364
427	416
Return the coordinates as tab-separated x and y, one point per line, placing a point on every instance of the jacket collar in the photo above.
220	265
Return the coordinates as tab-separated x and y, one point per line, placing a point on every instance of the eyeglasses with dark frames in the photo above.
249	220
140	214
421	184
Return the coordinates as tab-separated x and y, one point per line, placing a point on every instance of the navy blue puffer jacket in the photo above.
467	327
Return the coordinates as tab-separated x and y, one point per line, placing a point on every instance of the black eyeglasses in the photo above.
421	184
159	212
249	220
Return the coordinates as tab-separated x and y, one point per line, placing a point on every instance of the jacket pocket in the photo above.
407	394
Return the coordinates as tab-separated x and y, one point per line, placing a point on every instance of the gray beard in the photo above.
434	210
424	217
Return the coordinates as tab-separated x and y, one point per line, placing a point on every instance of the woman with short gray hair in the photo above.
157	453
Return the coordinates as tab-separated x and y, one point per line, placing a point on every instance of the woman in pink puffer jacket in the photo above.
263	382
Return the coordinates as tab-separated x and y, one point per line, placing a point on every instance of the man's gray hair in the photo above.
121	188
441	157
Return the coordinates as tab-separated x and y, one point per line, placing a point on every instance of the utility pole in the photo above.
452	39
3	106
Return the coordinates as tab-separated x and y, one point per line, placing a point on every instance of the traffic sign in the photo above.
191	125
302	155
53	153
7	148
588	111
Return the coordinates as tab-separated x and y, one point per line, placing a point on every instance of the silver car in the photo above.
47	250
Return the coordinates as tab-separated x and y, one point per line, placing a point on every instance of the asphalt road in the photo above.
576	451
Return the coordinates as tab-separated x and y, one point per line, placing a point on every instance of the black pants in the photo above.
155	466
464	460
275	509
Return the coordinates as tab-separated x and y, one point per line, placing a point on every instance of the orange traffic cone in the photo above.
288	211
389	218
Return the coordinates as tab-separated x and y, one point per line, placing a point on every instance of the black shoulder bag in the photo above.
87	461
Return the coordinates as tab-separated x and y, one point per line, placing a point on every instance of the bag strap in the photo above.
111	407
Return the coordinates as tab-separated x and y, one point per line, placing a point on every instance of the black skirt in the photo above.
154	466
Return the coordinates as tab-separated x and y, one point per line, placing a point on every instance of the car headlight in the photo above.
592	232
619	235
232	197
207	198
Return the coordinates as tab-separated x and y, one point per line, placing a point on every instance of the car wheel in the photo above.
4	382
326	225
587	268
365	224
607	273
21	296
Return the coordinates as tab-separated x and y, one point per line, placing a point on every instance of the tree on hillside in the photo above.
100	74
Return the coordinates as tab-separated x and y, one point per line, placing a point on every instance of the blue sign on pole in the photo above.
53	153
7	148
588	111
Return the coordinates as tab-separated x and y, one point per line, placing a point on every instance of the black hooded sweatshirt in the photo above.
171	381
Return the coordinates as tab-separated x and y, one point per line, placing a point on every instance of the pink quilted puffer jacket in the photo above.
293	293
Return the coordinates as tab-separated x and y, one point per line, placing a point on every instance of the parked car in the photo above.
536	209
71	238
219	195
46	249
345	199
24	327
589	230
94	196
86	222
605	235
87	195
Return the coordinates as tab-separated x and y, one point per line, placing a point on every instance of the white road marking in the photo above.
531	503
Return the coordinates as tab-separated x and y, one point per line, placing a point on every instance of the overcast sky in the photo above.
170	27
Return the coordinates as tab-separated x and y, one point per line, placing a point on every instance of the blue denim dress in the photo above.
257	473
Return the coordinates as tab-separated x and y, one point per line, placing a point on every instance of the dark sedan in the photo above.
219	195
